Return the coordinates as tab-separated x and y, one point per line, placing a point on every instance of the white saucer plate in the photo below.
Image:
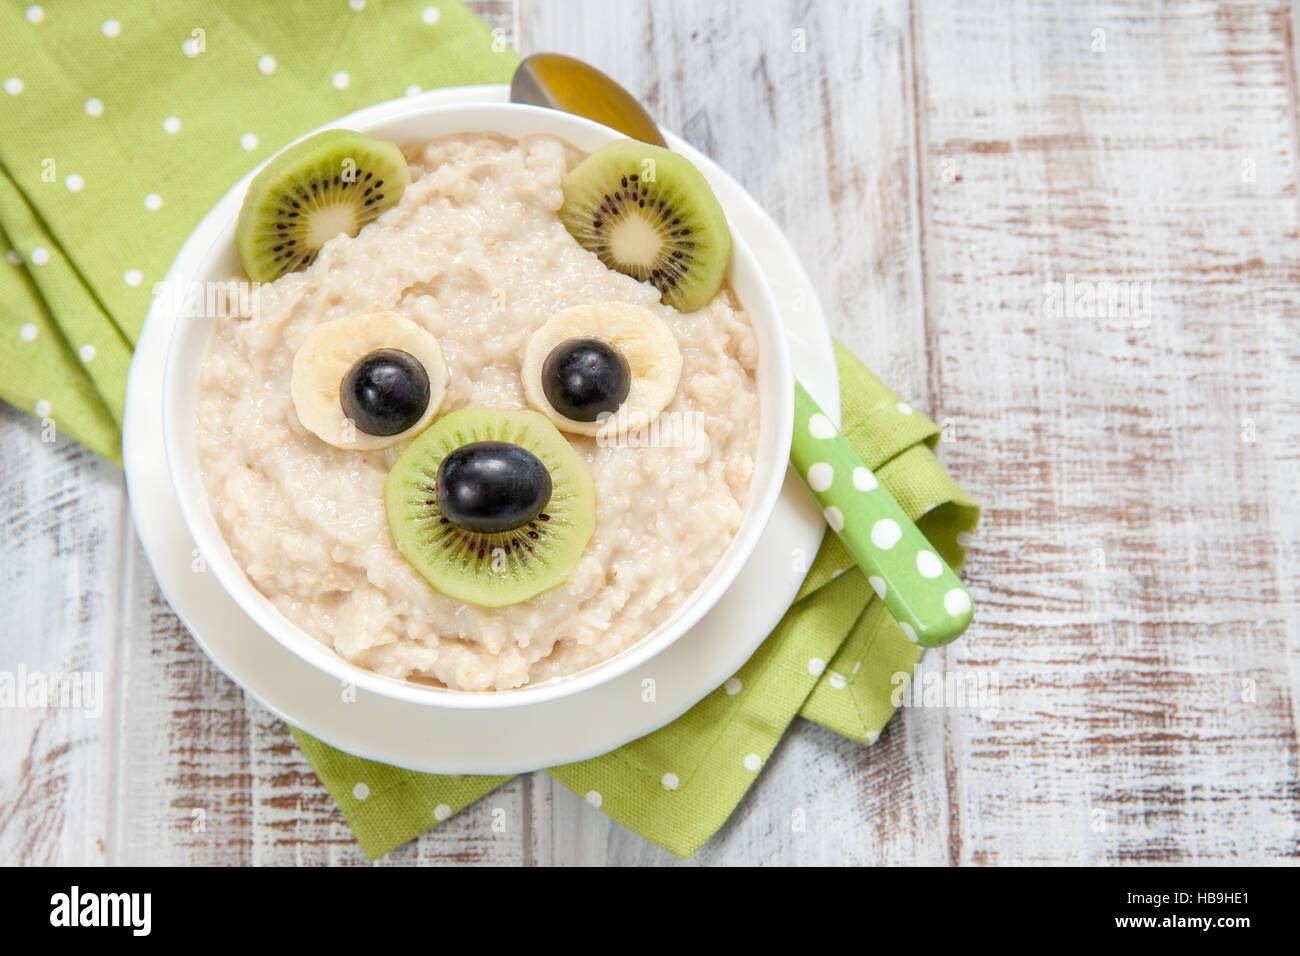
515	739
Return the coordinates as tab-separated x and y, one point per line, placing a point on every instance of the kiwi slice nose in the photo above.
491	506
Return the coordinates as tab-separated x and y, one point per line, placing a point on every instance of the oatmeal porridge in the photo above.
475	255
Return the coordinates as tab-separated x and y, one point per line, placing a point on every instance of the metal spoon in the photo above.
917	585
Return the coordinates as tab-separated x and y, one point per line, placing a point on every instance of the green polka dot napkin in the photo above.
120	126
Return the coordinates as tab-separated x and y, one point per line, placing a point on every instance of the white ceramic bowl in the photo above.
403	122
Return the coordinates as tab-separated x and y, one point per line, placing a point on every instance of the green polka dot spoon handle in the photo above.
916	584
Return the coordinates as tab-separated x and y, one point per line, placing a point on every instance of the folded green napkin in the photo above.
111	155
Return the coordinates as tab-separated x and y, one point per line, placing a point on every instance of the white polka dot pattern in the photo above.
885	533
821	476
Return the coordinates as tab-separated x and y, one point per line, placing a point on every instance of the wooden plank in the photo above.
184	775
61	540
810	107
1135	573
211	777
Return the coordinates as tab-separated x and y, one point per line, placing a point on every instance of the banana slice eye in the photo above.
601	368
368	381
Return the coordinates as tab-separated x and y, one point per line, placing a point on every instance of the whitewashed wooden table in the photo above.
937	165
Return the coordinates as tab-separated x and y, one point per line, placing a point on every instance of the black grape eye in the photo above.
585	378
385	392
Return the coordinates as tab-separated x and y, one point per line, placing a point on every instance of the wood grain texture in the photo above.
810	107
937	165
1135	571
61	537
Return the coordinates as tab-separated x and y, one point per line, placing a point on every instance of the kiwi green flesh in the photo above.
649	213
490	570
335	181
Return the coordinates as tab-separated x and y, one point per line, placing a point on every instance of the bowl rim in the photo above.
776	425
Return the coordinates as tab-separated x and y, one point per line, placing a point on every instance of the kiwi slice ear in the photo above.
335	181
490	568
648	212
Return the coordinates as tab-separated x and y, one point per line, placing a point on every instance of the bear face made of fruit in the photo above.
491	506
